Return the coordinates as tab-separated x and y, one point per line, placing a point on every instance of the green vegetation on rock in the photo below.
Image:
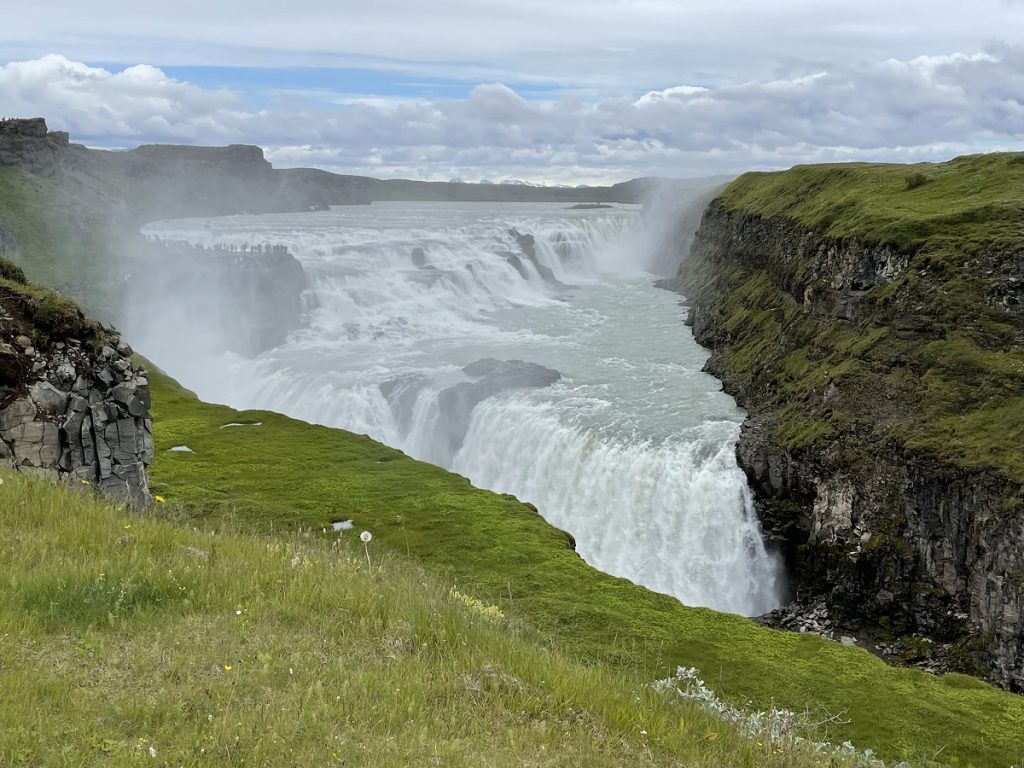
964	206
933	357
40	313
285	475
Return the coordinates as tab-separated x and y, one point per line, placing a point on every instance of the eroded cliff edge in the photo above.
72	402
870	320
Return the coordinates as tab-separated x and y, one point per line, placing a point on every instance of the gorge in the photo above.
522	344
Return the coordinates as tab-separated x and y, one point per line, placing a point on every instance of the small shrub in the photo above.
11	271
915	180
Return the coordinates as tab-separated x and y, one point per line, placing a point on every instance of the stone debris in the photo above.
812	618
84	417
180	449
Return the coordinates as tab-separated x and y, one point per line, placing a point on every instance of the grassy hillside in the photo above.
285	474
61	246
133	640
965	205
932	362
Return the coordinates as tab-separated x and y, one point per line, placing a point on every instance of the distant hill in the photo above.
160	181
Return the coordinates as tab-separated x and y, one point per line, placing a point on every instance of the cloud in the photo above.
602	44
137	103
922	108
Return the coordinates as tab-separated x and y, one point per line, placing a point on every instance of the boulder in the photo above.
48	398
17	413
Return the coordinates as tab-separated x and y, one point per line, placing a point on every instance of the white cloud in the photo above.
922	108
138	103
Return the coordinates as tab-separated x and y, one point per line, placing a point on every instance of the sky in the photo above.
551	91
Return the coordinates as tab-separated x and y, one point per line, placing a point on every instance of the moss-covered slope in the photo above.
870	316
946	333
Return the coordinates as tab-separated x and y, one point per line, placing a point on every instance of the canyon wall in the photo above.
880	442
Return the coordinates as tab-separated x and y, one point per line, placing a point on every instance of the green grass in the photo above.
976	200
22	213
133	640
286	474
42	314
61	245
954	392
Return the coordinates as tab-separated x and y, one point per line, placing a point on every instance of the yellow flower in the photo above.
159	499
86	482
227	667
127	526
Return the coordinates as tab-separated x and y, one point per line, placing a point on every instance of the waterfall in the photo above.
523	346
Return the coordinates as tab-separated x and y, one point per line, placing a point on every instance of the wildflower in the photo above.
238	612
86	482
158	499
127	526
152	751
490	612
227	667
366	537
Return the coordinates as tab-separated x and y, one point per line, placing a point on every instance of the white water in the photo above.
631	450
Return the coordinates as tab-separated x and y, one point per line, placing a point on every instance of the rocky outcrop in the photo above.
528	248
489	377
74	407
29	144
919	557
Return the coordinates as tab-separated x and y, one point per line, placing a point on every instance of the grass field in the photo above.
286	475
129	640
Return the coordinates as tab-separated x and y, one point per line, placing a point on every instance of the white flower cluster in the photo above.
779	727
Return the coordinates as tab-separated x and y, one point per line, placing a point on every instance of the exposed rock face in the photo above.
490	377
76	408
528	245
28	143
83	415
243	300
891	543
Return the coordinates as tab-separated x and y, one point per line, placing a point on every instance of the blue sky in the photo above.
325	84
576	91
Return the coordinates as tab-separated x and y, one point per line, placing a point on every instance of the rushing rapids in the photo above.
521	345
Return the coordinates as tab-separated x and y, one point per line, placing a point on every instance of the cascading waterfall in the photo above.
523	346
687	509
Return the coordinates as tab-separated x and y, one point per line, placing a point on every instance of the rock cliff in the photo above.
883	384
71	400
29	144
